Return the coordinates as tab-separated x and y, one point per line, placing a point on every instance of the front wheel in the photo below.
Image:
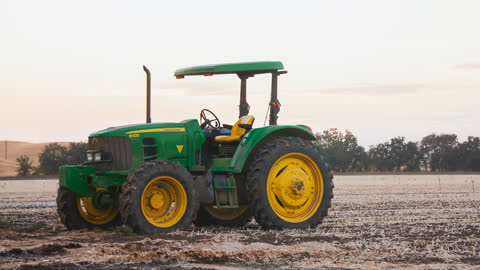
78	212
289	185
159	197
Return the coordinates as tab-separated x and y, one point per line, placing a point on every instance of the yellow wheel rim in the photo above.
226	213
164	201
93	215
295	187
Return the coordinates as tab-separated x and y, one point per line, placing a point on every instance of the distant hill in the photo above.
16	149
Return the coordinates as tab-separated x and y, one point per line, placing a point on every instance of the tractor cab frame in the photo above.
243	71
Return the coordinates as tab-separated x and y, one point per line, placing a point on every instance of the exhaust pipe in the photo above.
149	120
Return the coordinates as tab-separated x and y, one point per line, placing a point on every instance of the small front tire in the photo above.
77	212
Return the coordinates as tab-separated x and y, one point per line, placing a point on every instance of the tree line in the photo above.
53	156
435	153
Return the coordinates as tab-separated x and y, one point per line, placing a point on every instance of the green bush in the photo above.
24	165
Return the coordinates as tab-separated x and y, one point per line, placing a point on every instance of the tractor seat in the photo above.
241	127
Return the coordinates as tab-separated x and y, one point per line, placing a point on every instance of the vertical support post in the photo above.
6	152
274	103
149	120
244	107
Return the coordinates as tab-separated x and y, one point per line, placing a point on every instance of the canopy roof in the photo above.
246	67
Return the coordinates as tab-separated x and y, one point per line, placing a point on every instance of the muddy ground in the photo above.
420	222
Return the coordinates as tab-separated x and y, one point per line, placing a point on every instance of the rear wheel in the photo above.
159	197
289	185
78	212
234	217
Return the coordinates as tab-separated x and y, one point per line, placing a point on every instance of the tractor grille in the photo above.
120	148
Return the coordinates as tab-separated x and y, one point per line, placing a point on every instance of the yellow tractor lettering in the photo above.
157	130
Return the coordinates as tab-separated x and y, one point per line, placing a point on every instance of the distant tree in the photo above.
396	155
379	158
76	153
439	152
397	149
341	150
24	165
404	154
412	157
53	156
468	155
434	153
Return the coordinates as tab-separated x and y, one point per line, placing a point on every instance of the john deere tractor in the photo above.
161	177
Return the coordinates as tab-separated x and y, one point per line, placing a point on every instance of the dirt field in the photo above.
410	221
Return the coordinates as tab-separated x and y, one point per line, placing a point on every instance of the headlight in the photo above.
99	156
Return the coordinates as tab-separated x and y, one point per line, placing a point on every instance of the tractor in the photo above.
162	177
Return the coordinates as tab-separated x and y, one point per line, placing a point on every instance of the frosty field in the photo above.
376	221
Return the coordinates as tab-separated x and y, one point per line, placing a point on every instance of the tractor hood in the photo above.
144	128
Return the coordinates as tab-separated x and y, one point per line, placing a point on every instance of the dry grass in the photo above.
400	222
16	149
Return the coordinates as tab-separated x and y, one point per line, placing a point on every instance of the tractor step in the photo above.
225	191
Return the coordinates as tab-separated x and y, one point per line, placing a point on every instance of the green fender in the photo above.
260	136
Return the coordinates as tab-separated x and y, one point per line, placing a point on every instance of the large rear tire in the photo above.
289	185
236	217
159	197
77	212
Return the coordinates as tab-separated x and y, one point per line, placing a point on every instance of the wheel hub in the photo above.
293	187
298	187
157	201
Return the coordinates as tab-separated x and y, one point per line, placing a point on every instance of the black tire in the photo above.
257	177
133	188
70	216
205	219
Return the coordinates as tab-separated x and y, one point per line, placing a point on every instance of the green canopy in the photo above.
246	67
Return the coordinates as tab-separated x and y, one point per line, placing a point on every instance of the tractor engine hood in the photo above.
131	130
124	148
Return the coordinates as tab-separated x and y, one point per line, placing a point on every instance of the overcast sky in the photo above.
378	68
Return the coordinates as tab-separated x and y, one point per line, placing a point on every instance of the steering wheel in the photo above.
205	122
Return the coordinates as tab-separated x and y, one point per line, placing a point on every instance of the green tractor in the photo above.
162	177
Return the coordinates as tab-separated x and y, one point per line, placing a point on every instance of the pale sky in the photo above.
378	68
